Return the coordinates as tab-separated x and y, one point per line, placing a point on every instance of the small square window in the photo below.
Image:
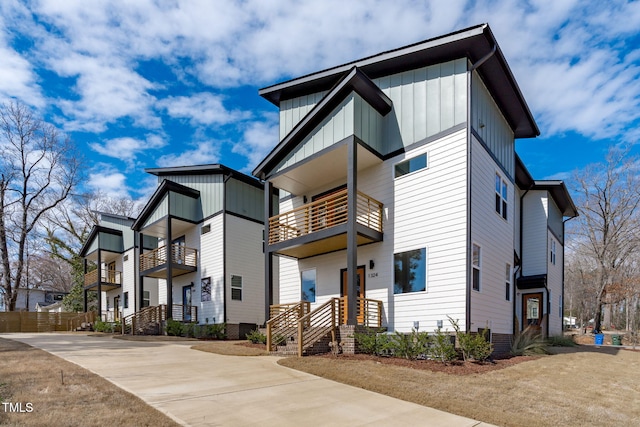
205	229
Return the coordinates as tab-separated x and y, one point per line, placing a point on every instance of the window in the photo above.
507	285
552	256
205	229
475	262
411	165
410	271
126	258
236	288
309	285
146	298
501	196
560	306
126	300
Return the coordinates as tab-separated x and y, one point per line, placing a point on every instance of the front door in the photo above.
116	308
186	303
532	311
359	292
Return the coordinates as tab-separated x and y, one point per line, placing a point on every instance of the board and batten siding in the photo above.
161	211
246	259
211	188
491	126
123	224
495	236
212	265
426	101
244	199
534	237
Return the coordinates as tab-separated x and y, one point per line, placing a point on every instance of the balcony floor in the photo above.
160	272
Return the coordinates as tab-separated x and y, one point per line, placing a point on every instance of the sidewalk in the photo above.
204	389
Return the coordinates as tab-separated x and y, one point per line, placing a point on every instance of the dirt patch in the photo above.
61	393
233	348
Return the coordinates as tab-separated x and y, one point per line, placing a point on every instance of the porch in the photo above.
155	262
109	279
321	226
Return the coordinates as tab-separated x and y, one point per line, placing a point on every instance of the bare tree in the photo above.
39	167
607	229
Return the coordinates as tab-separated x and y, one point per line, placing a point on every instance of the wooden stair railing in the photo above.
315	325
141	320
285	325
74	323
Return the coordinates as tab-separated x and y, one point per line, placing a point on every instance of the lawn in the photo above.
580	386
61	393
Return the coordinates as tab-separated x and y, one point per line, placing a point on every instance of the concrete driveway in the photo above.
204	389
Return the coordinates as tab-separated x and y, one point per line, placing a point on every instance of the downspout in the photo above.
469	193
224	246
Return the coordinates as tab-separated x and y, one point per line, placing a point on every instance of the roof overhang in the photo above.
560	195
94	234
473	43
354	81
210	169
164	188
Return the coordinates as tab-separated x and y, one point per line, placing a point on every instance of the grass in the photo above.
64	394
574	387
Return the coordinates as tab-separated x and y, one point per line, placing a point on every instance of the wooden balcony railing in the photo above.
158	257
107	276
324	213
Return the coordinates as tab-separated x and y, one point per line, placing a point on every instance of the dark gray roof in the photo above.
473	43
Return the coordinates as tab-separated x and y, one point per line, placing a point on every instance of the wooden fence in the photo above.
27	321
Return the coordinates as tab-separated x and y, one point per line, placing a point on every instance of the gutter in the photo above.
473	67
224	245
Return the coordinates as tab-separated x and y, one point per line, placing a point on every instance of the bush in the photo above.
188	330
257	337
441	348
561	341
410	346
216	331
108	327
173	328
472	346
373	341
528	342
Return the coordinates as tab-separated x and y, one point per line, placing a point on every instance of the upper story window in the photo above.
501	196
552	254
411	165
475	264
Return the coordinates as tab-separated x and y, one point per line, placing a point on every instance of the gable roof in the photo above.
164	188
95	231
210	169
473	43
354	81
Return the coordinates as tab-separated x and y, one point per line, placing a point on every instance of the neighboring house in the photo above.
201	235
31	299
400	190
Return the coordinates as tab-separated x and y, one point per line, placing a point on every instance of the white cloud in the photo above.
201	109
109	182
127	148
259	138
202	153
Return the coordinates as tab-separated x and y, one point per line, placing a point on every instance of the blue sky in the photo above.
141	83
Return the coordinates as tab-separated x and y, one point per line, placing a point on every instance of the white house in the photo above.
194	254
400	189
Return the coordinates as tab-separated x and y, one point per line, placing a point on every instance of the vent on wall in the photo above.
205	229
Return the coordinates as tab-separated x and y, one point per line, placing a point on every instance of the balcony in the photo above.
154	263
109	279
321	226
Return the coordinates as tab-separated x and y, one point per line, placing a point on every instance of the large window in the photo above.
410	271
309	285
501	196
236	288
411	165
476	265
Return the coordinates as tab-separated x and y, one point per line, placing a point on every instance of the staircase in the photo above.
149	320
295	330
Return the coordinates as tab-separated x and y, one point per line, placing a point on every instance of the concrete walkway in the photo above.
204	389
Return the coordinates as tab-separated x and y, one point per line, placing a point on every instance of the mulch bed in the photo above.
454	368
